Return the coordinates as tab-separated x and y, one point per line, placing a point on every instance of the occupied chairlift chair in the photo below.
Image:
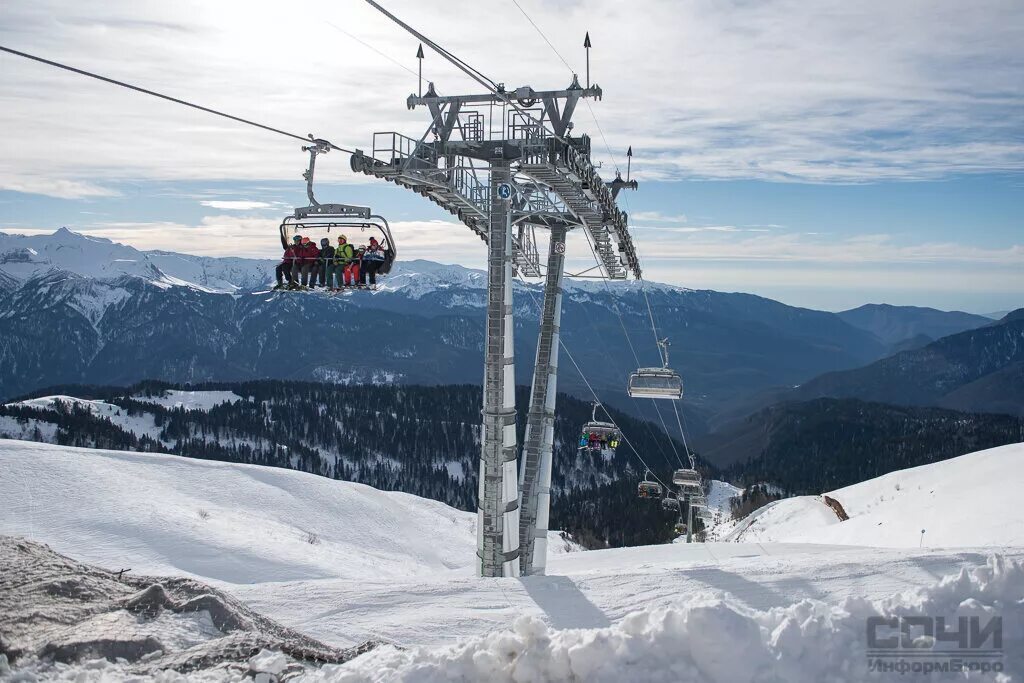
663	382
608	435
648	488
317	220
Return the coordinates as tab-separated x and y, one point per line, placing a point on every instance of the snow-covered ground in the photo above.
140	424
965	501
344	562
190	400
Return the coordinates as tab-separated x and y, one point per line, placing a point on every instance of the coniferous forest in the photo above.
420	440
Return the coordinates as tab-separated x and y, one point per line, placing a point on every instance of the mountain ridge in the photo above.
88	310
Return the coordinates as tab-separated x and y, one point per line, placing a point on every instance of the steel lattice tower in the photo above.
506	164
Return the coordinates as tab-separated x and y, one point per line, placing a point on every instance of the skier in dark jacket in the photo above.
373	259
284	269
325	261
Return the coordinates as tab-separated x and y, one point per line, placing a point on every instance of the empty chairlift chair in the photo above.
662	383
686	477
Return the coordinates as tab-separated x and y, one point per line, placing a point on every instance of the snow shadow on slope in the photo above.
564	603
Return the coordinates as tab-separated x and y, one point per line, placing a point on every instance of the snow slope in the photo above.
139	425
958	502
190	400
344	562
164	514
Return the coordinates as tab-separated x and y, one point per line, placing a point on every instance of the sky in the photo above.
825	154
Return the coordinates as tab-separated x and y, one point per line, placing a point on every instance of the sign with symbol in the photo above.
559	247
505	191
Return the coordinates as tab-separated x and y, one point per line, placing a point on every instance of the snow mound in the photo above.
702	640
60	614
957	502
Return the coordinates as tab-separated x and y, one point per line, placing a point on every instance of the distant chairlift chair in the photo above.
662	383
648	488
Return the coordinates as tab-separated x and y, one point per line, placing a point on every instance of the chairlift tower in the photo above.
505	163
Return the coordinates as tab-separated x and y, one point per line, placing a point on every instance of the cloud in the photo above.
798	248
54	187
785	90
253	237
657	217
238	205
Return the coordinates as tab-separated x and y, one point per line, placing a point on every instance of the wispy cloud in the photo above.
657	217
59	188
830	91
238	204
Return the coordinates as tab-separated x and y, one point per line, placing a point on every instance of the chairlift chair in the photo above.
648	488
606	434
680	528
670	502
317	220
686	477
657	383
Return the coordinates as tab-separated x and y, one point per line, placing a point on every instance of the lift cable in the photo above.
371	47
558	54
476	75
590	388
473	73
643	284
553	48
622	323
186	103
611	364
675	409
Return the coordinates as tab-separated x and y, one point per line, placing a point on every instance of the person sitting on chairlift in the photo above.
306	257
287	264
345	260
324	262
373	259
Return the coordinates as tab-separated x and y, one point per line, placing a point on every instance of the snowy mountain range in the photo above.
80	309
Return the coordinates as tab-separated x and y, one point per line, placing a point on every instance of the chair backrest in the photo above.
655	383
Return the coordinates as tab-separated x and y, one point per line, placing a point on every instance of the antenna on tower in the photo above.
586	44
629	161
419	56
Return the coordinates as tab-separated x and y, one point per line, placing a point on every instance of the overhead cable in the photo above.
176	100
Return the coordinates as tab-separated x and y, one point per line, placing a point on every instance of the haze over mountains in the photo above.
75	308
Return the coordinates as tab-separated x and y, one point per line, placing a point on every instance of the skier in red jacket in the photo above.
284	269
307	255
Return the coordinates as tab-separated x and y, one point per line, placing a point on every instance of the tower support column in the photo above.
535	473
498	495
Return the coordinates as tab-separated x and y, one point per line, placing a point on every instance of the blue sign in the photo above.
505	191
